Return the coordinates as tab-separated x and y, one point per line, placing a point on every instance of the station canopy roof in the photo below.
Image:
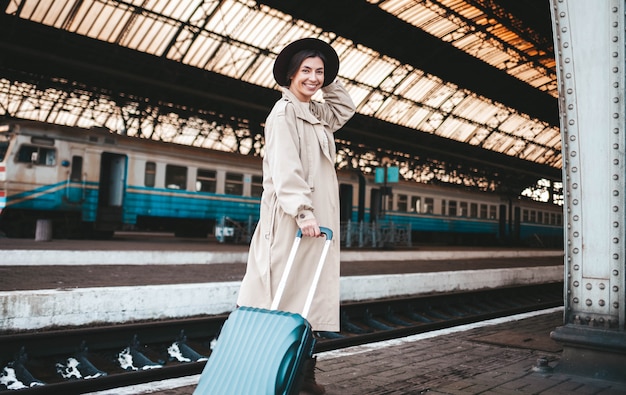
392	70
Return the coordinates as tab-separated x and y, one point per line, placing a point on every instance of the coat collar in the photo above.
302	109
303	112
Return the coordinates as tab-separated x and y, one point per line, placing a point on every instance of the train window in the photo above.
474	210
234	184
483	211
533	216
415	204
452	208
429	203
175	177
463	211
559	219
525	217
540	217
37	155
149	174
76	174
402	203
206	181
4	146
493	212
443	207
256	187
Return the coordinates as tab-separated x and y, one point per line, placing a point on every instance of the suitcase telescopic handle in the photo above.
292	256
324	230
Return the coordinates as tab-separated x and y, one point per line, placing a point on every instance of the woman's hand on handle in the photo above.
310	228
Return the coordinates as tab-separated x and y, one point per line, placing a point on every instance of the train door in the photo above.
345	199
517	216
376	204
75	185
502	216
111	192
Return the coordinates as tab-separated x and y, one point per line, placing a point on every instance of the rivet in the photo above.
615	272
615	224
615	288
576	267
616	305
588	286
615	240
615	209
575	250
615	193
574	169
575	234
588	302
573	153
575	202
601	302
601	286
576	283
575	300
616	256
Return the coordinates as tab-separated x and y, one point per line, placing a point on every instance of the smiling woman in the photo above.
300	192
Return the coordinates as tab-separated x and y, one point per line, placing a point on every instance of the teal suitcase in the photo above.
261	351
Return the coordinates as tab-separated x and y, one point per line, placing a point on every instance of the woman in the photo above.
300	189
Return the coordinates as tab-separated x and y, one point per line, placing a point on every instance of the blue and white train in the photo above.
94	182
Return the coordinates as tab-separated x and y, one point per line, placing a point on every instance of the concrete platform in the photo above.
79	282
513	355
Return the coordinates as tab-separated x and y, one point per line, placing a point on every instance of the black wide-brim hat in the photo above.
331	65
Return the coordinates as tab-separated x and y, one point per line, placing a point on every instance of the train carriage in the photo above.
93	182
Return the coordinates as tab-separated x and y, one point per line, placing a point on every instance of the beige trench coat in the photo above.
299	180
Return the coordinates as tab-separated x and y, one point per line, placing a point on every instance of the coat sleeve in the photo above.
337	108
283	156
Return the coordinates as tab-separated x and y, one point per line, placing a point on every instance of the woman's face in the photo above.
308	79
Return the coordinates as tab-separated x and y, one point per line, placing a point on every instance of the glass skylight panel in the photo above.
432	93
201	51
417	115
456	129
459	14
393	110
354	61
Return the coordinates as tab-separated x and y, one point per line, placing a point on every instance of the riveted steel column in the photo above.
589	47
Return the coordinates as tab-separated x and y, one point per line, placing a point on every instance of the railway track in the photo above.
79	360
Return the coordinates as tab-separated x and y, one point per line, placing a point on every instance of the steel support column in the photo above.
589	46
